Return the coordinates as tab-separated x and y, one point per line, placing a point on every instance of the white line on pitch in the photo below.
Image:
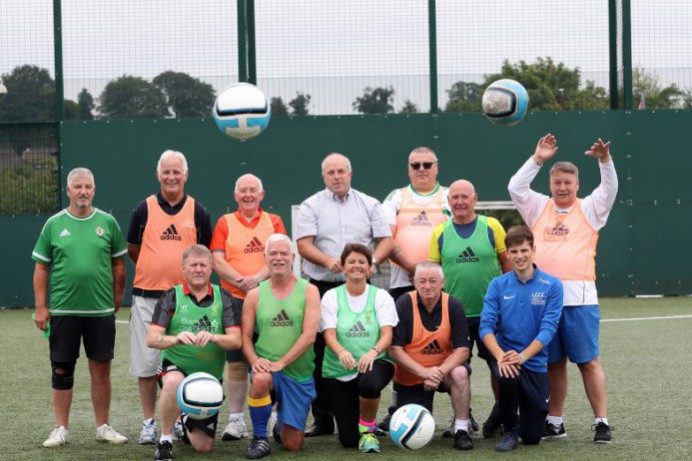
636	319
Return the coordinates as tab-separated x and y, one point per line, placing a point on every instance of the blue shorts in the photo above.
293	400
577	335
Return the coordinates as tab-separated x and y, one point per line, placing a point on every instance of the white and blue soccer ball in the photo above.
505	102
242	111
412	427
200	395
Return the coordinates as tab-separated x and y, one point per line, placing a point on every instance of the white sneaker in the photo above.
59	436
178	430
110	435
235	430
148	434
272	422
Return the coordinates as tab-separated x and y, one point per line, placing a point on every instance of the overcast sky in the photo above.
333	49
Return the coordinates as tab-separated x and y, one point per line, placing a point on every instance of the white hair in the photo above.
430	265
172	154
249	175
80	173
277	238
348	162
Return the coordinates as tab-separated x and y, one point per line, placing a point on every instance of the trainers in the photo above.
462	440
149	434
368	443
509	442
178	431
384	424
235	430
492	426
473	426
259	448
449	432
272	422
551	431
164	451
59	436
110	435
602	431
276	432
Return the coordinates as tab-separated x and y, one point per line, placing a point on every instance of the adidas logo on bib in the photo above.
357	331
281	320
432	348
171	233
467	256
255	246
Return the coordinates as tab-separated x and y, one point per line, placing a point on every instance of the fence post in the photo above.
613	52
59	90
627	54
250	30
432	49
242	41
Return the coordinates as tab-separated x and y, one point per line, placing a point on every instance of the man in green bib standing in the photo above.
80	253
193	324
285	312
471	250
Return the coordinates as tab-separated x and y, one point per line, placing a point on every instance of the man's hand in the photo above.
366	361
334	265
248	282
346	359
262	365
41	317
509	364
186	337
545	149
600	151
202	339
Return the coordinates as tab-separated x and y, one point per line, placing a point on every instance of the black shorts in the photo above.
417	394
67	332
208	426
474	323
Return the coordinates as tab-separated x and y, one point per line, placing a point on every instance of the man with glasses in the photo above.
327	221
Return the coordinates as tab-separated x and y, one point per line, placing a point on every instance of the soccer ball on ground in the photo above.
505	102
412	427
242	111
200	395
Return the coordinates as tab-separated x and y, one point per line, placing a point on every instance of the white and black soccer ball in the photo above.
242	111
412	427
200	395
505	102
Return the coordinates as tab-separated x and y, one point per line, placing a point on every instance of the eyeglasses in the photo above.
417	165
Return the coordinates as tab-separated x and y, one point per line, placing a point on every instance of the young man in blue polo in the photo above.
520	315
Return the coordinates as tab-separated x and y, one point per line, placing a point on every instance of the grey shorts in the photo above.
144	361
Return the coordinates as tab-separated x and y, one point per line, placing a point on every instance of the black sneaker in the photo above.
384	424
509	442
259	448
462	441
553	432
602	431
276	432
492	427
164	451
474	424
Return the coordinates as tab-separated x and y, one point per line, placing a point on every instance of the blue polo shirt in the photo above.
518	312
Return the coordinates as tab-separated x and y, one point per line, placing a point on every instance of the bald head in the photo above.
336	172
249	180
462	201
249	195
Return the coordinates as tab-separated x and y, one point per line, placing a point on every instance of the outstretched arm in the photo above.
528	202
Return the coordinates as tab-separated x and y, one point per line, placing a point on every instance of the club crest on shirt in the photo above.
100	231
556	233
537	297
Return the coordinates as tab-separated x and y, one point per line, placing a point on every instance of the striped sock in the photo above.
366	426
260	411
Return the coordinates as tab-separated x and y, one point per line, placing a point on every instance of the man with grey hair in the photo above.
161	227
566	234
327	221
238	246
431	347
80	255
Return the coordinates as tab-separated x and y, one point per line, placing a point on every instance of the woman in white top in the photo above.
357	322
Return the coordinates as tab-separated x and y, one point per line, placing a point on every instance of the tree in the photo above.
464	97
132	97
300	104
377	101
647	89
86	105
278	106
29	187
409	108
186	96
71	109
30	95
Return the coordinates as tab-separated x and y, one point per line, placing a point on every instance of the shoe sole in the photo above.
554	437
230	437
146	442
113	442
602	442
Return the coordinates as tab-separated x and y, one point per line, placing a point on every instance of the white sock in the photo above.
236	415
461	425
166	438
555	420
601	420
146	422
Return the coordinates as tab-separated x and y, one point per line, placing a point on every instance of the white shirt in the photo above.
385	310
333	224
391	205
596	208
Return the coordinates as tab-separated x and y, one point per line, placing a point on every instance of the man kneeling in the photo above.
431	348
519	319
193	323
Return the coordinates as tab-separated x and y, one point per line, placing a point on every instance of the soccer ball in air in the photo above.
505	102
200	395
412	427
242	111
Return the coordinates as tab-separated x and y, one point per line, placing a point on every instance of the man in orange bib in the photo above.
238	251
161	227
431	347
566	233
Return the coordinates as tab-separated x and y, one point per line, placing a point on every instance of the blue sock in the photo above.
260	412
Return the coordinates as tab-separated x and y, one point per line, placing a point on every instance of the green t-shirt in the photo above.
280	324
469	264
190	317
79	252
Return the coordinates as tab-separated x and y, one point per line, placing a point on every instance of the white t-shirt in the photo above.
385	310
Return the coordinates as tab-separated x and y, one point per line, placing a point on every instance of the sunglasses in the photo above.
417	165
